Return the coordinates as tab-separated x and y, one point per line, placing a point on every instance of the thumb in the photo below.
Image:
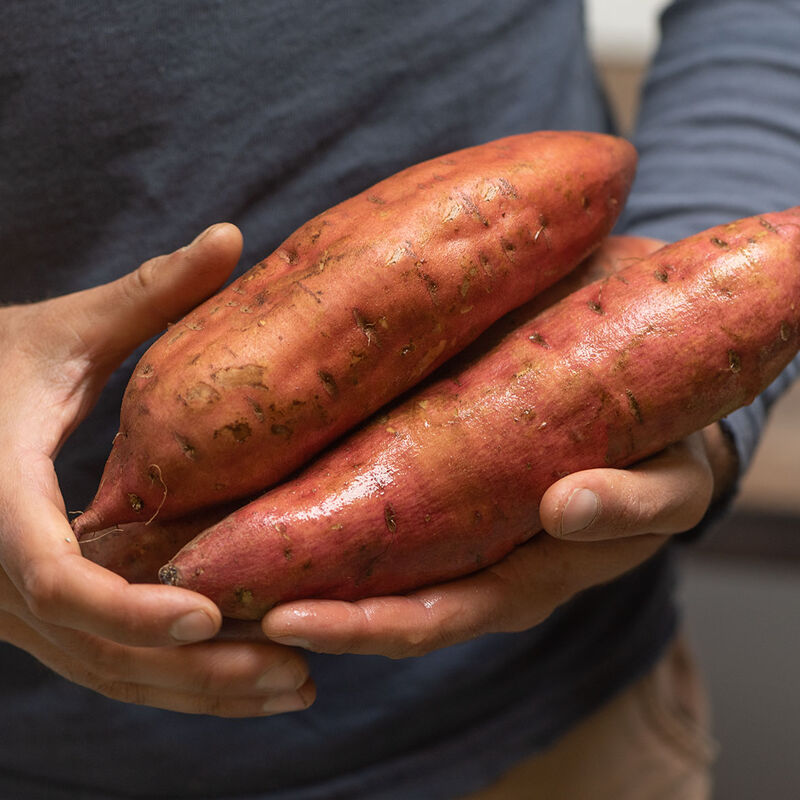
113	319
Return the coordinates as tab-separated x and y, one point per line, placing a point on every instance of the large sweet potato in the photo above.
354	308
450	479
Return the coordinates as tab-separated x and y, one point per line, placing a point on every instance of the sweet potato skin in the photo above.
450	480
358	305
137	550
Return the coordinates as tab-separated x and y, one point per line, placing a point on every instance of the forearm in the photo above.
719	129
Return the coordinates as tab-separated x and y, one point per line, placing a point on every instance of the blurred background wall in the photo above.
741	586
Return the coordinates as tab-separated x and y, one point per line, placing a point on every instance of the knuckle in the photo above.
106	659
123	691
412	644
142	279
215	705
40	589
297	670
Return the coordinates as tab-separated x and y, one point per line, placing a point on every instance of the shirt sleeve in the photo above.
718	137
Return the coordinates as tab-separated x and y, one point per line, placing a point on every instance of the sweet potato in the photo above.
137	550
350	311
450	479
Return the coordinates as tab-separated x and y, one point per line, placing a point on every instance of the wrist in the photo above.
723	460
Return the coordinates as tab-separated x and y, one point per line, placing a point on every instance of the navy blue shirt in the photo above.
127	128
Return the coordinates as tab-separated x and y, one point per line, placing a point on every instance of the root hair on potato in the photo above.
155	474
102	535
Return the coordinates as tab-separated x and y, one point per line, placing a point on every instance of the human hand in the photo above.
637	510
666	494
83	621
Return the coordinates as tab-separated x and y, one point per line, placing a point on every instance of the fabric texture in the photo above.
652	741
128	128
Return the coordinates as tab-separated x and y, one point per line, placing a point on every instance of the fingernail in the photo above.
193	627
284	702
580	511
292	641
199	237
278	679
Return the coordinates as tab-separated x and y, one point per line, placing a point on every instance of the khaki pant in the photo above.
652	742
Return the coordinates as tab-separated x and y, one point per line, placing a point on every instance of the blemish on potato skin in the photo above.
309	292
289	256
281	430
366	327
135	502
186	447
246	375
328	382
507	188
734	361
200	394
390	519
766	224
257	409
469	205
508	248
633	405
168	574
537	338
239	431
595	306
717	242
430	283
786	331
661	274
244	597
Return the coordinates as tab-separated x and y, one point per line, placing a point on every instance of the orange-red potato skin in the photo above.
358	305
450	479
137	550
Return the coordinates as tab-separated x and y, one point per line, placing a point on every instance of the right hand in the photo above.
137	643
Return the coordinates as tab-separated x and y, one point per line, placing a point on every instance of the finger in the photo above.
516	594
107	674
59	586
666	494
403	626
215	668
218	668
113	319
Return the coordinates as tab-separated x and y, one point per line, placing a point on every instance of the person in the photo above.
126	129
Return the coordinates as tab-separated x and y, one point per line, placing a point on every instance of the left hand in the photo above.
637	511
